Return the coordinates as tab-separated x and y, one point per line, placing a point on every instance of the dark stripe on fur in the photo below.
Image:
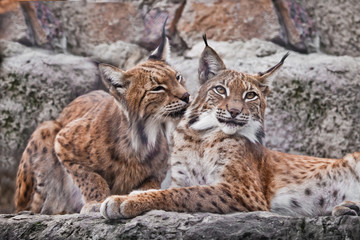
260	135
140	130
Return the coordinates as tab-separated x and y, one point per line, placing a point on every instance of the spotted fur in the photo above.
102	143
219	164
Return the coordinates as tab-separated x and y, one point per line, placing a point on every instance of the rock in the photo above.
154	16
138	22
337	23
8	5
314	105
76	27
121	54
282	21
32	24
303	26
90	24
35	85
297	28
228	20
170	225
13	26
44	26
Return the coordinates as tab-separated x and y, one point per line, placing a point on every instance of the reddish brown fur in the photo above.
41	142
219	165
102	143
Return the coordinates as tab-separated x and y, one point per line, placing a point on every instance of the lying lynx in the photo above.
219	164
103	144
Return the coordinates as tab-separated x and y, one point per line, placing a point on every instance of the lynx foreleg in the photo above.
221	198
94	188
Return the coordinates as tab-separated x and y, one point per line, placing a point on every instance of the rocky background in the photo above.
48	52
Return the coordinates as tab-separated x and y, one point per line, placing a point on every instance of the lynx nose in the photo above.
185	97
234	112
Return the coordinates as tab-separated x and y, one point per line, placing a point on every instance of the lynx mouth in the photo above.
178	113
231	122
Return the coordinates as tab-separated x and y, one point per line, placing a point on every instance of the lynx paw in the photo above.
117	207
90	208
110	208
347	208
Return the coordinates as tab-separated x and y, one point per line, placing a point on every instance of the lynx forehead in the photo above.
103	144
219	165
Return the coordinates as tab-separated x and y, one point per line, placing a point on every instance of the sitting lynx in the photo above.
219	164
102	143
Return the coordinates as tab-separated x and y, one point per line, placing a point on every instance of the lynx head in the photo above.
228	100
151	90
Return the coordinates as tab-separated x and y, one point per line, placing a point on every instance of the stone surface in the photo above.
77	26
46	29
297	28
7	5
121	54
337	22
228	20
13	26
301	25
32	24
171	225
87	24
35	85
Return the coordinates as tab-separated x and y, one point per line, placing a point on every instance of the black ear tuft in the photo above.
205	40
284	57
274	68
265	78
161	51
210	63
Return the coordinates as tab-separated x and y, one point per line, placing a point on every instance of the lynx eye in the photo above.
220	90
158	89
250	96
178	77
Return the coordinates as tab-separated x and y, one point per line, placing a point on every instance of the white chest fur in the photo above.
196	165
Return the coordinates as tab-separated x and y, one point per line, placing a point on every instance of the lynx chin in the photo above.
219	165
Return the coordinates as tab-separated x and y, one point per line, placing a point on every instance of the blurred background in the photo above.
48	50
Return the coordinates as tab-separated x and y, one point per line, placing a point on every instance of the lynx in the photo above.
219	164
103	144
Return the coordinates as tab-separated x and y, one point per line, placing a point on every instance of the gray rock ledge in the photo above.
172	225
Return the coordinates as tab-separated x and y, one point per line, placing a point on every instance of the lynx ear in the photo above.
209	64
263	77
163	50
112	77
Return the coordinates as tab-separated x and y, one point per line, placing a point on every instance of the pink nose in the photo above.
185	97
234	112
